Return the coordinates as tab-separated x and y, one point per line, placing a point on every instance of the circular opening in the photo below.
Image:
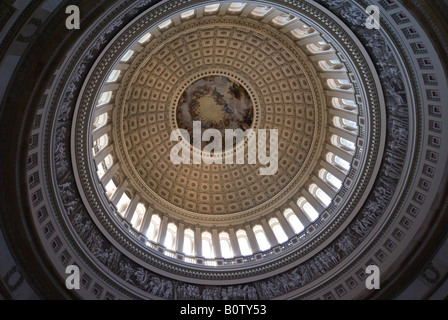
214	102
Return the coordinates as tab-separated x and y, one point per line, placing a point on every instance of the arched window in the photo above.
114	75
137	218
307	208
236	6
282	19
343	143
263	242
154	226
320	195
145	38
345	124
101	143
188	248
211	8
170	239
303	31
319	47
243	242
207	245
165	24
123	203
278	230
105	97
295	223
105	165
331	65
260	11
100	120
330	179
187	14
110	188
108	161
344	104
127	56
339	84
338	162
226	247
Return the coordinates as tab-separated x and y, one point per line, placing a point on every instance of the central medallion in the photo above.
218	103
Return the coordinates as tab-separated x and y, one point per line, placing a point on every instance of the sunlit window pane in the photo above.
310	211
211	8
243	243
145	38
226	248
260	11
342	163
263	242
323	197
165	24
110	188
236	6
187	14
170	238
127	56
137	218
154	226
295	223
207	245
335	182
278	230
123	203
347	143
105	98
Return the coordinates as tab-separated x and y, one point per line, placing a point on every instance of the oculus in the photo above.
218	103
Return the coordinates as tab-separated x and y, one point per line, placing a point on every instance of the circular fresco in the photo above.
216	102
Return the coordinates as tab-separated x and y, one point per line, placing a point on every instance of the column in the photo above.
248	9
162	231
98	133
285	224
271	15
199	12
316	204
252	239
269	233
216	244
234	242
119	192
198	242
147	220
325	188
334	171
110	87
109	174
291	26
344	114
180	237
303	218
103	153
223	9
339	152
351	136
131	208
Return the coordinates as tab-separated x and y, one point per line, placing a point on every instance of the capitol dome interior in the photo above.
99	97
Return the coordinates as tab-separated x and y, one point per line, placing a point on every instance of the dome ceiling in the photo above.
283	97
